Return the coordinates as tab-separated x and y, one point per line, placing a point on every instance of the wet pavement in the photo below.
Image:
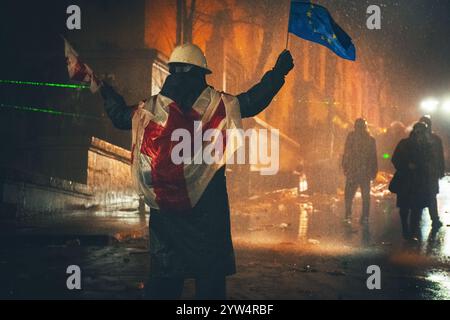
297	249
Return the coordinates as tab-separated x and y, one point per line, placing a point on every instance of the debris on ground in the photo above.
313	241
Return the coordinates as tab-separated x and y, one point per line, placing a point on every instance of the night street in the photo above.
225	150
323	259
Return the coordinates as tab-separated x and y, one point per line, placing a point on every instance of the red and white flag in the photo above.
78	70
173	185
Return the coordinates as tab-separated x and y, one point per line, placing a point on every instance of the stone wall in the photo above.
108	166
108	184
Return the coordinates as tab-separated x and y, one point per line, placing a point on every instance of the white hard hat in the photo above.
190	54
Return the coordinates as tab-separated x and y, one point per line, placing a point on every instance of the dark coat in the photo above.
413	181
438	159
193	243
359	161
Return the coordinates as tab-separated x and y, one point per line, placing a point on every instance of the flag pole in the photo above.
287	36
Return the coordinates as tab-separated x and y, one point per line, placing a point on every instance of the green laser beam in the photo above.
47	110
45	84
386	156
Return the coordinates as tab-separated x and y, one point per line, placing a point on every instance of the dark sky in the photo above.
414	39
419	31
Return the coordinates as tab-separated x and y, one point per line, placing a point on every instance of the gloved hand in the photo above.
284	63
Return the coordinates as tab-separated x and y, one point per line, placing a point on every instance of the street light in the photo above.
446	106
429	105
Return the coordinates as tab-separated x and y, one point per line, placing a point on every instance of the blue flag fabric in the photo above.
314	23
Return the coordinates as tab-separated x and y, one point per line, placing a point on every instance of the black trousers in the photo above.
207	287
410	222
351	186
433	209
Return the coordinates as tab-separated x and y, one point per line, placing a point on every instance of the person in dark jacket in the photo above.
412	180
437	171
360	166
195	244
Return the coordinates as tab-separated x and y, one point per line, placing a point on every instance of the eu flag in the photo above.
314	23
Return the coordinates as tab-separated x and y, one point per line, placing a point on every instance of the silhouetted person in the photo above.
437	171
360	166
412	180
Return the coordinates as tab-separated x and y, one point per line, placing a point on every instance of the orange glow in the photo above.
239	50
160	25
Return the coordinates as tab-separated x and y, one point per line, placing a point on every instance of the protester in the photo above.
189	219
437	171
412	181
360	166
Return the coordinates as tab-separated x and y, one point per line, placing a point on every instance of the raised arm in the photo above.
116	108
260	95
